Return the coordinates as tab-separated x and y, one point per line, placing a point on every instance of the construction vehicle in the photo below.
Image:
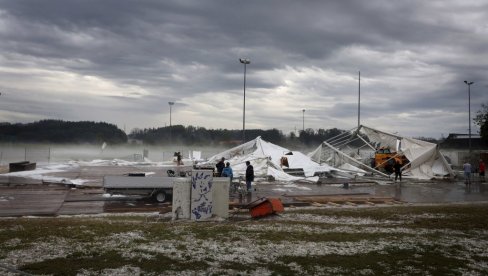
384	159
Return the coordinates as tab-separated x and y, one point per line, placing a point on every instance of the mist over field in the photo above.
44	153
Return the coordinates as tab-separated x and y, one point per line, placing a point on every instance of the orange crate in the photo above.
265	207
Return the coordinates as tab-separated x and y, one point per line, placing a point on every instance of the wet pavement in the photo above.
88	198
405	191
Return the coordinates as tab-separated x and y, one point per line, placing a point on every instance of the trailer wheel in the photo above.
160	196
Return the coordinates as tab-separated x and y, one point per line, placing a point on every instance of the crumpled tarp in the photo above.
265	158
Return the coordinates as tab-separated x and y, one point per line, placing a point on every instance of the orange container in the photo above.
265	207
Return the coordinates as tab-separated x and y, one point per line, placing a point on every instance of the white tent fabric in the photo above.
350	168
265	158
426	161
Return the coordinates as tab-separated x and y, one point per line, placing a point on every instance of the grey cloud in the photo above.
182	49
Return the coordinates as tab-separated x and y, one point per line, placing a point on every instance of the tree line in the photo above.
57	131
481	120
192	135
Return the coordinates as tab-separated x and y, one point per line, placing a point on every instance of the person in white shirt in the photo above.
467	173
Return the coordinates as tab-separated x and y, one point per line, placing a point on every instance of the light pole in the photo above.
303	118
469	83
170	134
244	61
359	102
359	99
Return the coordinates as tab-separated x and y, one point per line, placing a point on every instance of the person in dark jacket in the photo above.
220	166
398	170
249	175
482	170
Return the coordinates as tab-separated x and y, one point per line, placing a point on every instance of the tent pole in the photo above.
355	161
371	146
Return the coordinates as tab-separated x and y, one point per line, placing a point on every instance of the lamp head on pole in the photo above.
468	82
244	60
171	103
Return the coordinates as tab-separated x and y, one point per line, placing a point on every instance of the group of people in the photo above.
468	169
224	170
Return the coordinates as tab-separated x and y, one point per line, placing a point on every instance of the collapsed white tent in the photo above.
265	158
425	159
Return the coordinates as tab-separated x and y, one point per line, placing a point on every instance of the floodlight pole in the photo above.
359	104
170	127
359	100
469	83
303	123
244	61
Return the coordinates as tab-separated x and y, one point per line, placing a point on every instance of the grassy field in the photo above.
397	240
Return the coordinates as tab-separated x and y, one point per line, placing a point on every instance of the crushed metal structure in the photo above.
423	159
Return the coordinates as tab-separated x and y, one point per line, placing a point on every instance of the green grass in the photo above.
462	217
162	247
388	263
72	264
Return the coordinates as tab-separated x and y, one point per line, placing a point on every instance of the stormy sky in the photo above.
121	62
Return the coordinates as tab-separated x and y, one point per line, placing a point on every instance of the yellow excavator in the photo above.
384	159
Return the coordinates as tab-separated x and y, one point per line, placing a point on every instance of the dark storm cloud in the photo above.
141	54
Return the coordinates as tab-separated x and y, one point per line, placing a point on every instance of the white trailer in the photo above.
158	187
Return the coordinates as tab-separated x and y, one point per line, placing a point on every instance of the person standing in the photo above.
227	171
249	176
398	170
467	173
220	166
482	170
179	158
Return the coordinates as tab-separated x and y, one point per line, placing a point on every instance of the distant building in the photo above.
461	141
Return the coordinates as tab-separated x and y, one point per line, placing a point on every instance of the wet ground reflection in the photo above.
407	191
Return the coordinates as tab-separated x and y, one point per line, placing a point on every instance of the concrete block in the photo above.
181	199
201	194
220	195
